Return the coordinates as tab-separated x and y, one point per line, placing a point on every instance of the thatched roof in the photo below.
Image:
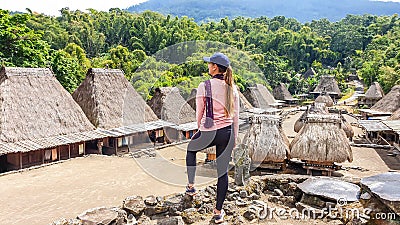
282	93
390	102
320	109
328	84
259	96
374	92
266	140
317	108
348	129
324	98
395	115
244	103
35	105
169	105
191	100
309	73
109	100
321	140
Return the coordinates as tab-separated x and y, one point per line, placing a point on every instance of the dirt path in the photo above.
67	189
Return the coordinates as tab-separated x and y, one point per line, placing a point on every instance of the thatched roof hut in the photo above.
318	108
374	92
266	140
110	101
372	96
169	105
329	85
321	140
348	129
282	93
244	103
390	102
324	98
35	106
259	96
191	100
309	73
395	115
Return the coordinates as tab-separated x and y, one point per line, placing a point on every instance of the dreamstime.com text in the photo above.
332	213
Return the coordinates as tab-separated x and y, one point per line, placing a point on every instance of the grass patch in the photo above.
348	93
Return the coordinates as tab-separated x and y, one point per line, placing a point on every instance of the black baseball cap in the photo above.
218	58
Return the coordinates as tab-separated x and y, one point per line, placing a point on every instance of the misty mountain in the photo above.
302	10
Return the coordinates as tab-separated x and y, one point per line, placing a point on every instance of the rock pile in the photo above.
264	199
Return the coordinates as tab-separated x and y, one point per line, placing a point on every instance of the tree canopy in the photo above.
280	47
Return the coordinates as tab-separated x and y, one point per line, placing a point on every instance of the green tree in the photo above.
20	45
67	70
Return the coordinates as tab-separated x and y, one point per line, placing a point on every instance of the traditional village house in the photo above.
372	96
319	108
244	103
395	115
41	122
324	98
191	100
111	103
383	131
310	73
169	105
329	85
282	93
260	97
266	142
390	102
321	141
385	107
393	136
374	130
316	108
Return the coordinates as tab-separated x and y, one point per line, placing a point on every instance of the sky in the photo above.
52	7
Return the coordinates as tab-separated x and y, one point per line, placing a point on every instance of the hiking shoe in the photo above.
191	191
219	218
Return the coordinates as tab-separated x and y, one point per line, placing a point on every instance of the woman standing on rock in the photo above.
217	114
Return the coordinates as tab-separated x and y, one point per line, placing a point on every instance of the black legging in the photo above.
224	141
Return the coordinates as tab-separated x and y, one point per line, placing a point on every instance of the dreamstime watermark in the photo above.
340	211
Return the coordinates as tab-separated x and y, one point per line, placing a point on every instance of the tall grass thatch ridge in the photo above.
390	102
259	96
266	140
110	101
322	140
169	105
35	105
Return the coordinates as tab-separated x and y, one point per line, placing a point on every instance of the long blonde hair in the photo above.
228	77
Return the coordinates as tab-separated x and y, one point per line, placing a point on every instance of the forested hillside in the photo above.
281	47
303	11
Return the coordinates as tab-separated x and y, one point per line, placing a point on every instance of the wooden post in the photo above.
20	160
43	155
58	154
84	148
115	145
366	136
69	151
